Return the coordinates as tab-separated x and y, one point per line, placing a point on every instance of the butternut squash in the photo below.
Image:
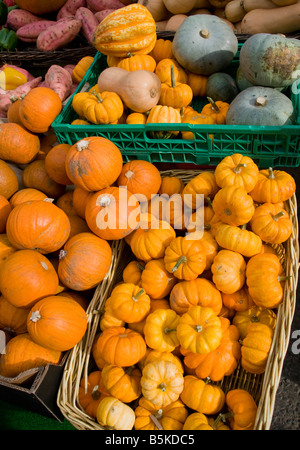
249	5
284	19
234	11
139	90
284	2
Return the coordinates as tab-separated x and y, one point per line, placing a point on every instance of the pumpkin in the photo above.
221	87
27	276
171	185
199	38
38	225
229	271
185	258
242	410
242	319
198	84
139	89
260	106
55	163
217	110
154	355
133	28
129	302
17	144
122	383
40	7
39	108
164	72
26	195
238	239
239	300
89	393
132	273
270	60
13	110
197	421
200	291
65	202
148	417
6	249
78	297
141	178
114	414
5	209
12	318
136	119
156	280
79	199
199	330
204	183
160	330
57	322
220	362
271	223
256	347
163	114
265	280
162	50
35	176
102	107
202	397
196	119
137	62
233	205
84	261
120	346
273	186
93	163
210	247
9	183
81	68
162	383
112	212
175	94
150	243
238	170
22	353
109	319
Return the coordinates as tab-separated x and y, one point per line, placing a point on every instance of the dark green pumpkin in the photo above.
260	106
270	60
204	44
221	86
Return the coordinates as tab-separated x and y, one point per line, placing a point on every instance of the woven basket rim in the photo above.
265	385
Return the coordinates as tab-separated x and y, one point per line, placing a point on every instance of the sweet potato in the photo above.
17	18
70	8
100	15
23	89
59	80
31	31
58	35
89	23
100	5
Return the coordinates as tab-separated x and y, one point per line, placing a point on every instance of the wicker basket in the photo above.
262	387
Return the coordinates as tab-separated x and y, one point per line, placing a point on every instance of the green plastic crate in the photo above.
268	146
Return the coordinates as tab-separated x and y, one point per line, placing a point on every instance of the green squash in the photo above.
204	44
221	86
241	81
260	106
270	60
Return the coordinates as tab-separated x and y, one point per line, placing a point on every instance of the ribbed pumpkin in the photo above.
238	170
93	163
156	280
39	108
17	144
273	186
38	225
197	421
242	319
84	261
202	397
9	183
242	409
272	223
27	276
160	330
131	29
90	397
114	414
6	249
12	318
137	62
57	323
129	302
148	417
256	347
122	383
204	183
81	68
229	271
22	353
5	209
238	240
233	205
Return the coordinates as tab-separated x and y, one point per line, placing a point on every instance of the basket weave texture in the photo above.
262	387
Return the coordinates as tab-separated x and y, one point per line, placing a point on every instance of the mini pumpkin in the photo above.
148	417
217	110
89	393
242	410
156	280
185	258
233	205
114	414
242	319
229	271
160	330
122	383
201	396
272	223
273	186
238	239
175	94
238	170
256	347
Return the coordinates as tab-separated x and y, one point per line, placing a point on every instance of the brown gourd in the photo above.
249	5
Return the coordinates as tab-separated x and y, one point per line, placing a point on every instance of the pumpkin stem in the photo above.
223	417
204	34
35	316
173	84
208	201
137	296
95	393
213	105
271	173
62	254
237	168
284	278
181	260
139	266
243	227
81	145
254	318
98	96
169	330
260	101
278	215
104	201
162	386
198	328
156	422
129	174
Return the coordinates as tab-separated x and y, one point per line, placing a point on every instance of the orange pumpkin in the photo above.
273	186
204	183
238	170
12	318
171	185
9	183
137	62
156	280
272	223
5	209
229	271
17	144
35	176
128	302
122	383
149	417
55	163
26	195
89	393
233	205
242	410
202	397
6	249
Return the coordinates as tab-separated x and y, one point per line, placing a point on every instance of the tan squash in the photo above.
235	11
249	5
282	20
284	2
156	7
